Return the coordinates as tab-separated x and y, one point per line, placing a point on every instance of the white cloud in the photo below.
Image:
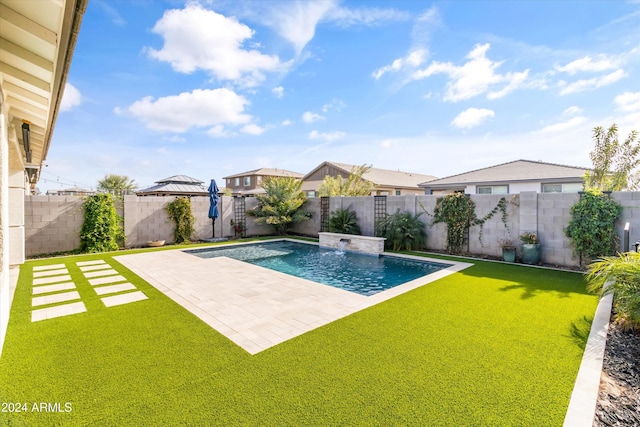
286	122
218	131
310	117
564	126
278	91
253	129
587	64
414	59
70	98
474	77
196	38
335	104
364	16
296	21
572	111
200	108
590	84
628	101
389	143
326	136
472	117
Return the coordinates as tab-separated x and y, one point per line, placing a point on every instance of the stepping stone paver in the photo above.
53	288
107	279
57	311
124	298
48	267
94	267
48	280
55	298
50	272
103	290
99	261
108	272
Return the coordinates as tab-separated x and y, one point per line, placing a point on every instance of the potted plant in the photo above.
530	247
508	250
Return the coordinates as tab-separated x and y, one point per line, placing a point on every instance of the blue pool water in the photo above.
363	274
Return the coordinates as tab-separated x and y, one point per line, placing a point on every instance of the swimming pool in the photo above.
359	273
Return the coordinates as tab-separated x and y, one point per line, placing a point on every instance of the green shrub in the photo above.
344	221
282	204
101	228
402	231
623	274
591	227
180	212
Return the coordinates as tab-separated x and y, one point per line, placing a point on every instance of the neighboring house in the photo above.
73	191
386	182
512	178
250	183
37	39
177	185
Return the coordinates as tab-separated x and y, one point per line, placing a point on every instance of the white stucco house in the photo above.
512	178
37	40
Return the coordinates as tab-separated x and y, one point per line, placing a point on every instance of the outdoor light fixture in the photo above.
26	135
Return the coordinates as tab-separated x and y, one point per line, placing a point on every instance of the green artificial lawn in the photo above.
493	345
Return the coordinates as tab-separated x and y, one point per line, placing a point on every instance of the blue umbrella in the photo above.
213	205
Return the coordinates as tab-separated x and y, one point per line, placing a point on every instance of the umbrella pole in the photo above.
213	228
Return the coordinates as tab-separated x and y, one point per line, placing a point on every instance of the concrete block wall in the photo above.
310	227
146	219
553	215
52	223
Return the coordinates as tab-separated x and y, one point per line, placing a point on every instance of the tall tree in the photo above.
281	205
353	185
613	162
118	185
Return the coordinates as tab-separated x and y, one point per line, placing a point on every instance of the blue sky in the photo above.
213	88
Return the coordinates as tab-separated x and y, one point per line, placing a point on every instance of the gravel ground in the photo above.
619	395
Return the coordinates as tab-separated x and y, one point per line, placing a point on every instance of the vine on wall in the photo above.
591	228
101	228
458	212
180	212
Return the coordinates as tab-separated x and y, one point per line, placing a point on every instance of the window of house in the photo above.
259	179
398	192
492	189
228	181
237	182
572	187
311	194
247	181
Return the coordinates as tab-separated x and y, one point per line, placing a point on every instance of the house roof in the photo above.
266	172
179	179
37	40
177	184
518	170
381	177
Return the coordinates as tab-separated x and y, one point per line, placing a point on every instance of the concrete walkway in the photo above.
255	307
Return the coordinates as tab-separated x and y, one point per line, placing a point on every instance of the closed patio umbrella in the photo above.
213	205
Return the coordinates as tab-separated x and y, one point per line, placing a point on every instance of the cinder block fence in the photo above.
53	223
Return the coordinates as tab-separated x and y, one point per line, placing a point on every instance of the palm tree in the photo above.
282	204
118	185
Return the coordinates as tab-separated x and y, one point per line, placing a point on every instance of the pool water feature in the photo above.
363	274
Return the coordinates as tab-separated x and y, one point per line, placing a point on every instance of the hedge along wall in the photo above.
53	223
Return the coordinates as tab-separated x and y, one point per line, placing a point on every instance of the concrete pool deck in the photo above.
255	307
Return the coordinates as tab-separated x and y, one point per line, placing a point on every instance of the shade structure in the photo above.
213	205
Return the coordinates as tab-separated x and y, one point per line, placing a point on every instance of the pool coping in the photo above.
255	307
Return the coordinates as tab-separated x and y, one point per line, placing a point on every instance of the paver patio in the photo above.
255	307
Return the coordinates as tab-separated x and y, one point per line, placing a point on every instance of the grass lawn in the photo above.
493	345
